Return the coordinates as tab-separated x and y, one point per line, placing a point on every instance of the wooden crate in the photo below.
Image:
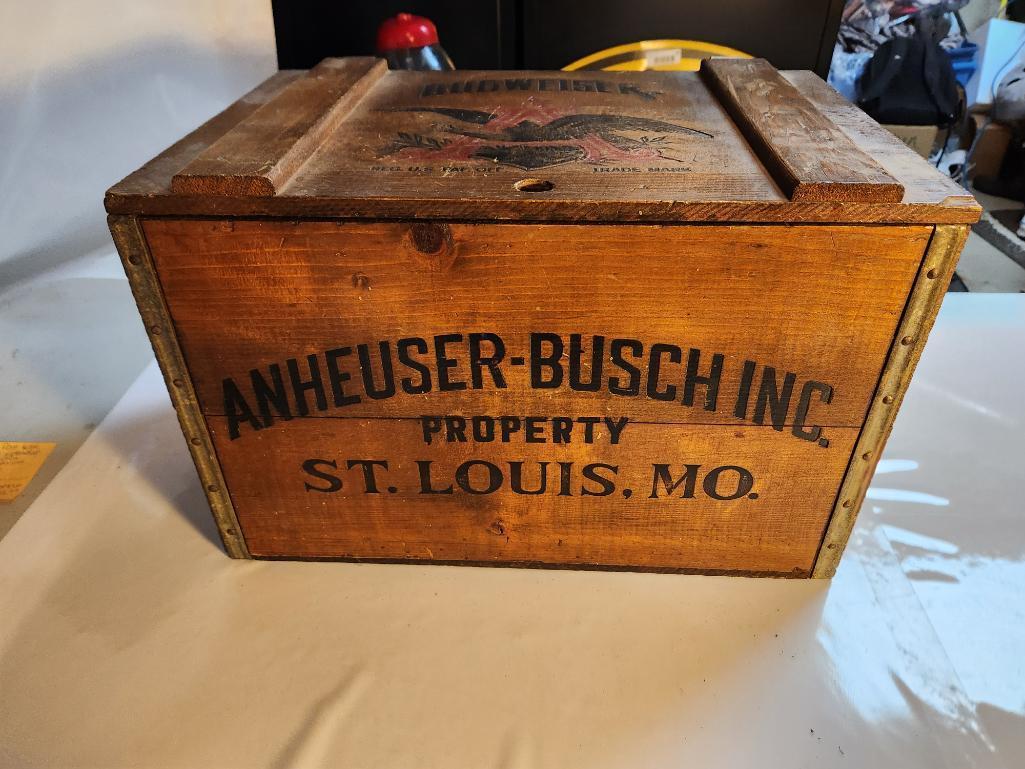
643	321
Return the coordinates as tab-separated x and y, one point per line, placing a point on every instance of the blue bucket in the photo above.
963	61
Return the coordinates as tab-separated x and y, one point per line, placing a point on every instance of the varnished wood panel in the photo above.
924	303
152	182
920	178
774	527
810	158
819	302
138	264
267	146
655	147
954	210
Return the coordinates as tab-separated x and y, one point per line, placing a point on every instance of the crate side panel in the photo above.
930	287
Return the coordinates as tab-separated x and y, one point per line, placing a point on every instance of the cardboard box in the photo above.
643	321
990	141
922	139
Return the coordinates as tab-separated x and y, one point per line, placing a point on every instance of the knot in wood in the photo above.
430	238
431	245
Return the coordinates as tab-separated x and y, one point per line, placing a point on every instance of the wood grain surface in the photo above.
923	305
152	182
264	309
778	531
655	147
613	320
820	302
810	158
668	139
920	179
142	277
263	150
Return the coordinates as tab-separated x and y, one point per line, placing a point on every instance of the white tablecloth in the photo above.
128	639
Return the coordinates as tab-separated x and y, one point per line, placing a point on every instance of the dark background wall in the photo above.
548	34
477	34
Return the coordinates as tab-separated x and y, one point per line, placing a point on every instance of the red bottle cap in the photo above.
406	31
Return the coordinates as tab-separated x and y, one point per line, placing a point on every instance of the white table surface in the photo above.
128	639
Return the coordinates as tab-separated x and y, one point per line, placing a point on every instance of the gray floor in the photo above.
983	267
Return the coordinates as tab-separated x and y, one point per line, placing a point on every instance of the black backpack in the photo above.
910	81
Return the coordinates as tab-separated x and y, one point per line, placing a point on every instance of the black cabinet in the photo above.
549	34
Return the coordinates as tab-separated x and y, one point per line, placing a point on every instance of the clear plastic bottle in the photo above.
411	42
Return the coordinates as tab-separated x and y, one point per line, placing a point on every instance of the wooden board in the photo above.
924	302
269	145
152	182
775	526
920	180
818	302
809	156
802	315
658	147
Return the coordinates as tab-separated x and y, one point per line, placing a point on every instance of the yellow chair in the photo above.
679	55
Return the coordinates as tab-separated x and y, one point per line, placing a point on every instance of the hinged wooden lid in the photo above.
738	141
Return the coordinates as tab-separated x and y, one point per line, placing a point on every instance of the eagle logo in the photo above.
533	137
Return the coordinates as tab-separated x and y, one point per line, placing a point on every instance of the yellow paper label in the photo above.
19	463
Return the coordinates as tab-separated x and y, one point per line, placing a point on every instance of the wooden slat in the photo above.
153	181
808	156
142	277
582	211
776	531
923	305
246	294
261	153
922	182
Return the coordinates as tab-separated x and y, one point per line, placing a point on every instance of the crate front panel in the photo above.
691	395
